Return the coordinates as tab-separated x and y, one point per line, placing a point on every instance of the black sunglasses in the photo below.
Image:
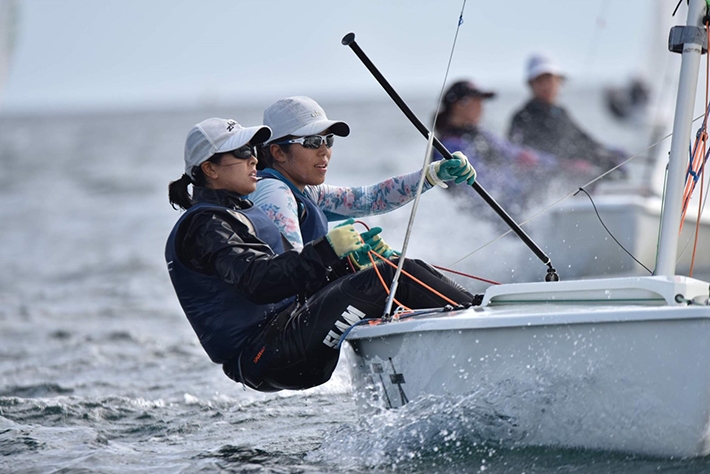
312	141
244	152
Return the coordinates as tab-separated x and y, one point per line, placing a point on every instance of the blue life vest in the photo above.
220	315
311	218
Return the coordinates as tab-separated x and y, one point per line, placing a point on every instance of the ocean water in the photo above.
100	371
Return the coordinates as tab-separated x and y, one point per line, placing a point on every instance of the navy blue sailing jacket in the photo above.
231	273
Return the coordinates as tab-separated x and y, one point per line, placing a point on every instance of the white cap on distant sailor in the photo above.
218	135
300	116
540	64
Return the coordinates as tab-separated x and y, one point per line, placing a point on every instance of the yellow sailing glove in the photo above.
344	239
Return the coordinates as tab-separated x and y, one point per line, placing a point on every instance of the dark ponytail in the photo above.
178	195
177	190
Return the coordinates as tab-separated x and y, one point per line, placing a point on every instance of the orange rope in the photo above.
473	277
443	297
702	174
370	254
697	161
377	271
694	166
701	161
689	183
382	280
697	224
466	275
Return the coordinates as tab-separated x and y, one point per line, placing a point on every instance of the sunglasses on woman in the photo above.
244	152
312	141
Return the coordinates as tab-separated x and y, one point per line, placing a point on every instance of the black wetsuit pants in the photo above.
299	349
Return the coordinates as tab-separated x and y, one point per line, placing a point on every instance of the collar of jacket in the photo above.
536	105
276	174
220	196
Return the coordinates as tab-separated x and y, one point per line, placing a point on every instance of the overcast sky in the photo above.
118	53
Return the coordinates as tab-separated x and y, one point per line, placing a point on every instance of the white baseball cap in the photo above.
218	135
540	64
300	116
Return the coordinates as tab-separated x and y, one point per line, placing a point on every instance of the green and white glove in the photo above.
457	169
345	240
377	243
361	258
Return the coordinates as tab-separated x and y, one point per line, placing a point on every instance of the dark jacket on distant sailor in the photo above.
550	128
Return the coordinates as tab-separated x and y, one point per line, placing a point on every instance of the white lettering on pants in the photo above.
351	315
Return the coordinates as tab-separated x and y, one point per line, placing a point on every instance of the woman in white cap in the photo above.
296	161
244	293
543	125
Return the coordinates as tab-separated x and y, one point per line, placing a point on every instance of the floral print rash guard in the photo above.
276	199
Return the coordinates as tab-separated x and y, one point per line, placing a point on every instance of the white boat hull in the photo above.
627	378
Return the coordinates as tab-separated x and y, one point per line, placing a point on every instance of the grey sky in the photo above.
108	53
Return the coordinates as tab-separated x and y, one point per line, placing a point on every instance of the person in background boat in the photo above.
512	173
630	102
295	162
271	315
544	125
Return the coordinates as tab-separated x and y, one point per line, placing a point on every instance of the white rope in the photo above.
420	186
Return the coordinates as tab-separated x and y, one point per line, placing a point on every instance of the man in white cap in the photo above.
543	125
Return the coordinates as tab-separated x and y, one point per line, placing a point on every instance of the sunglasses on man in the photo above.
312	142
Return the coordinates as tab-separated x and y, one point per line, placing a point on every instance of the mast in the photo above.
690	40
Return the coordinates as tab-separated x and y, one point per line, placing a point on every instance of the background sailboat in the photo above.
631	208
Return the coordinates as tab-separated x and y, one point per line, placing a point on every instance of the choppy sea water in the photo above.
100	371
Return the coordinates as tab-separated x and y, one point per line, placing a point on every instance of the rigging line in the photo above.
687	242
370	253
609	232
599	25
676	7
703	202
420	186
697	226
695	171
416	280
701	205
564	198
697	161
473	277
662	98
